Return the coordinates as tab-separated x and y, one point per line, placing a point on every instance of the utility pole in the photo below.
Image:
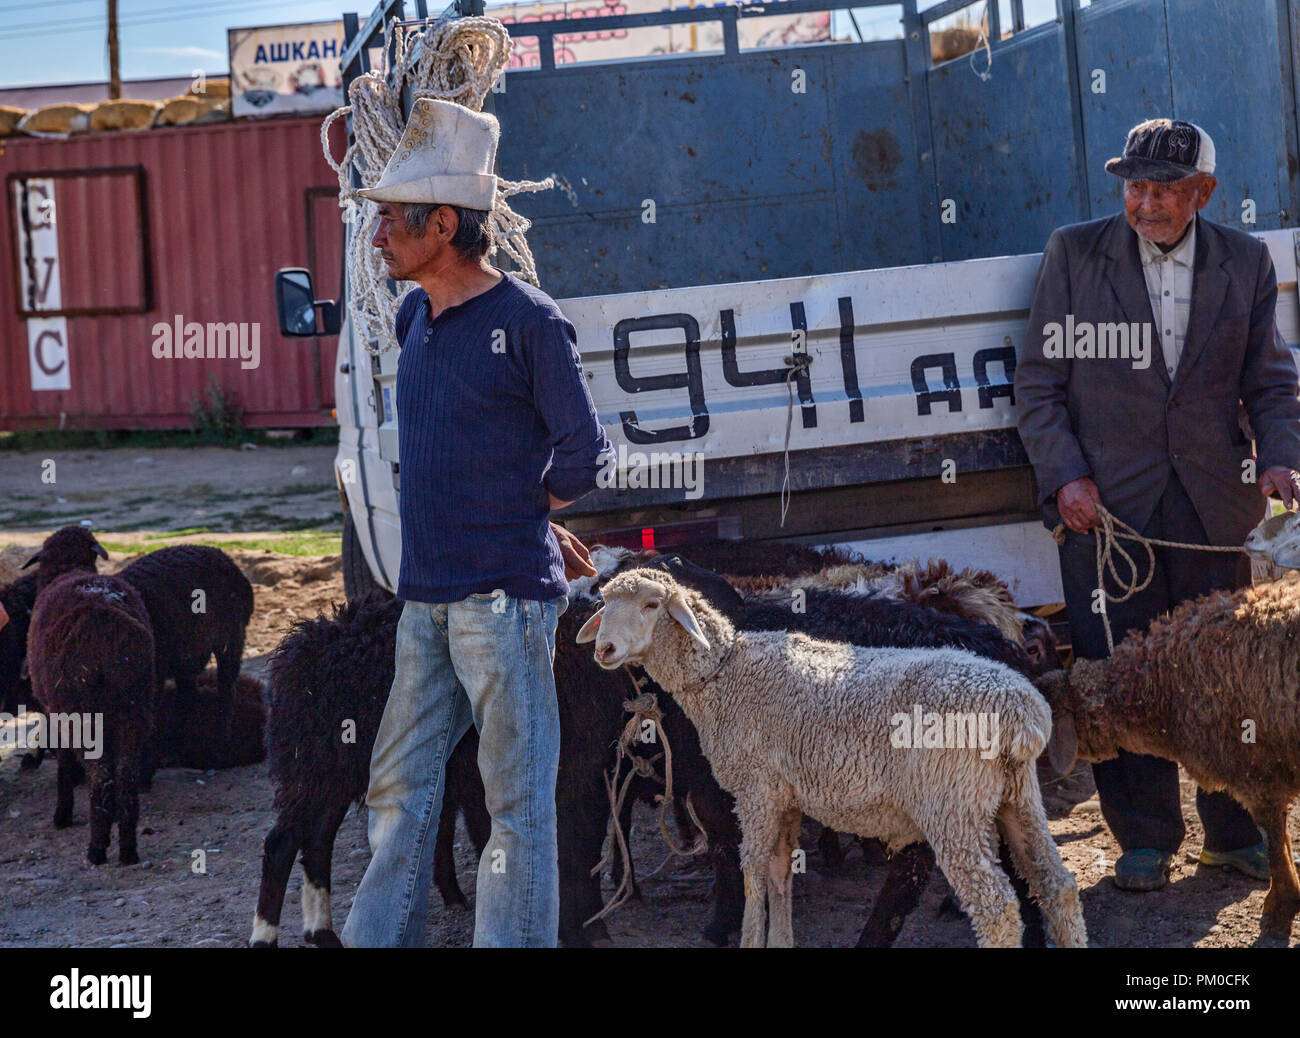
114	76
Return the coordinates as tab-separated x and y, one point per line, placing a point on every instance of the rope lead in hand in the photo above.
1106	537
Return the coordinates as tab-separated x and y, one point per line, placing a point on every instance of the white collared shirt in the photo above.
1169	286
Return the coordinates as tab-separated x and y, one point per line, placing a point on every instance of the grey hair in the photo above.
473	238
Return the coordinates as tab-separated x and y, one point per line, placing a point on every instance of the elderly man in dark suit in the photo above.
1151	337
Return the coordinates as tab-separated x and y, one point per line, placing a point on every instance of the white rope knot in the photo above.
452	59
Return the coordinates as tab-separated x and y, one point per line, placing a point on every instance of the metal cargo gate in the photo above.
753	180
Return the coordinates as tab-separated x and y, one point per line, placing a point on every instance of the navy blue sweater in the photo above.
489	393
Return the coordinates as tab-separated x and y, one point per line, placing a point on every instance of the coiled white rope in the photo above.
458	60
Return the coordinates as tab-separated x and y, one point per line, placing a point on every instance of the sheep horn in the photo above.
100	551
34	559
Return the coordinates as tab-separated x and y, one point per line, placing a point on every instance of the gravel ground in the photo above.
186	898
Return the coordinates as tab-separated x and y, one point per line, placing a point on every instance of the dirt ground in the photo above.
179	897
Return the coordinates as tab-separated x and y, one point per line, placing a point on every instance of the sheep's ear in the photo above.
1063	747
588	632
681	612
32	561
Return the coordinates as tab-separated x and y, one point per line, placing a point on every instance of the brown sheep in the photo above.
1213	685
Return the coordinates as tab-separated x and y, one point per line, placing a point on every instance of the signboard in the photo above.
898	353
276	69
41	284
613	44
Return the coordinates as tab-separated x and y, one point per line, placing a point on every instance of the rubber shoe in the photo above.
1249	861
1143	869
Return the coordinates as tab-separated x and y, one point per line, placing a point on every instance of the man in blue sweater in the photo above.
497	429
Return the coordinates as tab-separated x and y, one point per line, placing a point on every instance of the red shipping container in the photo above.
153	231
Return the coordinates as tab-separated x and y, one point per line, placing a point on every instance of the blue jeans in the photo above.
487	661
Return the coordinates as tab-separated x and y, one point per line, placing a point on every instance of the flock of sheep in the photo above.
777	674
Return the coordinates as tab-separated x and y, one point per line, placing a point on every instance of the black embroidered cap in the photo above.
1164	150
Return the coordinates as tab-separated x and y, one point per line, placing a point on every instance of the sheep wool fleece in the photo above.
495	413
794	725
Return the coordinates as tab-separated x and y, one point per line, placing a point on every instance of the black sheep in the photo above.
185	639
326	688
69	549
66	549
91	651
17	600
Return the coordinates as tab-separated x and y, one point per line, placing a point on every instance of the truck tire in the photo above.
357	578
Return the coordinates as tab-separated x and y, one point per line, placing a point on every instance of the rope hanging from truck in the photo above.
457	59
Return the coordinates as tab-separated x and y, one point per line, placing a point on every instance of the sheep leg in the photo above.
760	824
1283	898
715	809
444	858
126	770
278	852
229	657
103	805
67	779
780	882
149	755
728	894
755	918
972	870
581	825
463	792
909	871
317	923
1023	824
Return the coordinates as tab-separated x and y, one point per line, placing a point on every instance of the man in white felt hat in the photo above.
497	430
1156	431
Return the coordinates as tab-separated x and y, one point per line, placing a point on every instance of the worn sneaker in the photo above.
1249	861
1143	869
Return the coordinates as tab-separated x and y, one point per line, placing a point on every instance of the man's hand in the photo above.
577	559
1077	502
1283	482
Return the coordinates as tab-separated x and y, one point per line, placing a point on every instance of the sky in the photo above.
64	41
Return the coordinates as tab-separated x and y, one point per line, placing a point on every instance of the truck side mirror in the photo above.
296	305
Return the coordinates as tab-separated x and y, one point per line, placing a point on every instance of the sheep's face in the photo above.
1039	642
1277	540
73	547
636	604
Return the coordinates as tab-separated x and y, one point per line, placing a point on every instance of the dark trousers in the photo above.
1139	793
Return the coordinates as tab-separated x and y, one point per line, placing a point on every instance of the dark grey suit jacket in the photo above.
1128	427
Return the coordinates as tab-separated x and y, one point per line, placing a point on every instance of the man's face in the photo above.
403	253
1161	212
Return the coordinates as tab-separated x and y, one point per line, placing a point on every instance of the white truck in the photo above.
879	400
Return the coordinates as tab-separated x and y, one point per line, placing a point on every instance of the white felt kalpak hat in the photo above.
445	157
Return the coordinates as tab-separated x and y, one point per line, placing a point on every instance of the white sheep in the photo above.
793	725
